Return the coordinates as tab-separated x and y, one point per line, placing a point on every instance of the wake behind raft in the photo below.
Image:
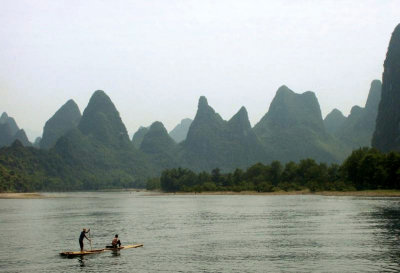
71	254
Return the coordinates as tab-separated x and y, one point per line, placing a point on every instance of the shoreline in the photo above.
21	195
366	193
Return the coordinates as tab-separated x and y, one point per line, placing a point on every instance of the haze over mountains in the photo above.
209	139
9	132
180	131
98	138
357	129
66	118
93	150
99	146
296	118
138	136
212	141
160	147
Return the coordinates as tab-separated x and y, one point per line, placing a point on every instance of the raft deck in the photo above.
95	251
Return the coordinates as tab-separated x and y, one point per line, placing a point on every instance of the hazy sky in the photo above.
155	58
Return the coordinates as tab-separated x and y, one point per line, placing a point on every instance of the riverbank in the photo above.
366	193
371	193
21	195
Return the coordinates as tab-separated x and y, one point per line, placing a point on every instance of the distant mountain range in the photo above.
9	132
93	150
65	119
356	130
293	119
181	130
209	141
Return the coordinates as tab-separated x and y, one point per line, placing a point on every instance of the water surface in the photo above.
200	233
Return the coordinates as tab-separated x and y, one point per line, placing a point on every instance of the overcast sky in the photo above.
155	58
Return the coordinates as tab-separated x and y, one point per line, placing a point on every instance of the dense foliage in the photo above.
97	154
24	169
9	132
28	169
364	169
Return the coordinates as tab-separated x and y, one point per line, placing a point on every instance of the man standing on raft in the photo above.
82	236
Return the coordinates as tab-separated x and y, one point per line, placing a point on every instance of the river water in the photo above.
202	233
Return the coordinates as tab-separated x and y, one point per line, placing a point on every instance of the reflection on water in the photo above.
115	253
202	233
388	219
81	261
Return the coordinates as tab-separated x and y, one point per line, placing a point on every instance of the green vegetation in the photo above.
160	147
333	121
93	151
9	132
65	119
296	118
138	137
364	169
26	169
212	141
97	154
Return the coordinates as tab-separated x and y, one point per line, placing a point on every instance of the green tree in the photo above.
275	172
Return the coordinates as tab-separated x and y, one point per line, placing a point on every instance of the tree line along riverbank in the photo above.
365	169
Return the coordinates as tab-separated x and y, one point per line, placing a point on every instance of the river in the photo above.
202	233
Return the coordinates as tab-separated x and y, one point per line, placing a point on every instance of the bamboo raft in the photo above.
72	254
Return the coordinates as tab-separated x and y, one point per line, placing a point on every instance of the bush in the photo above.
153	184
313	186
265	187
287	186
209	186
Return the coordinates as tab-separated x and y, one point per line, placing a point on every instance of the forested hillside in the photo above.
290	147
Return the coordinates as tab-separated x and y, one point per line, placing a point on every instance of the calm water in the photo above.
202	233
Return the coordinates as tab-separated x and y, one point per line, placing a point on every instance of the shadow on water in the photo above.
81	261
116	253
388	219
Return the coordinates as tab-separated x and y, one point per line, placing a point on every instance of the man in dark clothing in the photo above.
82	236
